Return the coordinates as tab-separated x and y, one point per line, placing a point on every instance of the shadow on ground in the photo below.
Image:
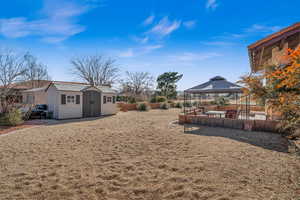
270	141
68	121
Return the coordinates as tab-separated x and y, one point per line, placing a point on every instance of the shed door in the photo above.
91	104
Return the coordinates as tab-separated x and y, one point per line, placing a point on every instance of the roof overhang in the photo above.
270	40
214	91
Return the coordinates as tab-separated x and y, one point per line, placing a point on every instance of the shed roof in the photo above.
217	84
79	87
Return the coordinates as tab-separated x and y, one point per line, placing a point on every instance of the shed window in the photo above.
104	99
114	99
77	99
70	99
63	99
109	99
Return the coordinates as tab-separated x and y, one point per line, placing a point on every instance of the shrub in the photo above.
178	105
131	100
143	107
153	100
196	103
164	106
187	104
222	101
158	99
13	118
161	99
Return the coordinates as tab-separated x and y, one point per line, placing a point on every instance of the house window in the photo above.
30	99
104	99
109	99
70	99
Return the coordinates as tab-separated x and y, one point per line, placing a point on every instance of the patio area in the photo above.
221	103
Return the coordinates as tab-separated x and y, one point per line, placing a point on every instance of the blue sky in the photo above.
199	38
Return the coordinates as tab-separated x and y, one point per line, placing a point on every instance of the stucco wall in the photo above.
39	97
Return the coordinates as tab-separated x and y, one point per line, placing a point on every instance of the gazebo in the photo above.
216	86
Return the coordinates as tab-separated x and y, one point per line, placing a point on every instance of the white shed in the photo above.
71	100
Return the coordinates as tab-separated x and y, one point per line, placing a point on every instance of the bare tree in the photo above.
96	70
12	69
137	84
35	72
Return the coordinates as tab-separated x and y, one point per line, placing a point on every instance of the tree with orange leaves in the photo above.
278	86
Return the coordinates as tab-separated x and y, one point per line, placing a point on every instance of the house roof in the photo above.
275	35
217	84
36	89
26	85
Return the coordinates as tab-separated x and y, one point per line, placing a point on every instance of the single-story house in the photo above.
69	100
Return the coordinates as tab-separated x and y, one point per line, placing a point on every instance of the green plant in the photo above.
166	83
158	99
131	100
13	118
196	103
221	101
143	107
153	100
164	106
178	105
187	104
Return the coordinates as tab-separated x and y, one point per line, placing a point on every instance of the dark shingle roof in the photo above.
216	84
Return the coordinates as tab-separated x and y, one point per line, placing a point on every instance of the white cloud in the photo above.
127	54
150	48
165	27
133	52
190	24
262	28
142	40
189	56
211	4
254	30
149	20
57	24
218	43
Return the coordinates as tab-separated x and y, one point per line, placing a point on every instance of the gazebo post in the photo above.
236	100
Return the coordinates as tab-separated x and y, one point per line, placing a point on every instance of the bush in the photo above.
143	107
158	99
161	99
187	104
12	118
131	100
222	101
196	103
178	105
164	106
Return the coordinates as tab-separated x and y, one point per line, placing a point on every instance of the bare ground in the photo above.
138	155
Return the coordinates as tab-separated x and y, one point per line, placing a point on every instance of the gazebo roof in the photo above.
216	84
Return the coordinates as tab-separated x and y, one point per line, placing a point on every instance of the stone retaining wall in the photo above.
250	125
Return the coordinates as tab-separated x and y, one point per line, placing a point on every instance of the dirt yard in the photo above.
137	155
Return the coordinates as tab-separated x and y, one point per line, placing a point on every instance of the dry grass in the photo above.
137	155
